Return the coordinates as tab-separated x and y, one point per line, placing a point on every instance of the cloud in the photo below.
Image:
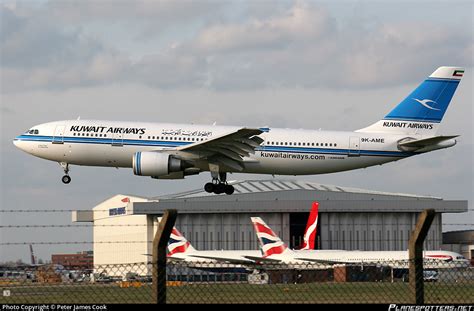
37	54
304	45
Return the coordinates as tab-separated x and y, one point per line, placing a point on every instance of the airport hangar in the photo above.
349	218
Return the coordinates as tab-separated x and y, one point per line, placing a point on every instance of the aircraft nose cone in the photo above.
18	143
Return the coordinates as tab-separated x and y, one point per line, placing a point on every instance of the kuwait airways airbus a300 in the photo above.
173	151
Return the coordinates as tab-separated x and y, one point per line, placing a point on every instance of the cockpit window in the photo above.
36	132
33	131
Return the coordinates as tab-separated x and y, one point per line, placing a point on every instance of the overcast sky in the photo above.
299	64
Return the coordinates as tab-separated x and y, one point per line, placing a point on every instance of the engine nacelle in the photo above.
153	163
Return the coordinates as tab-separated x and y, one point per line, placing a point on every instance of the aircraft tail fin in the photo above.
422	111
178	243
309	238
270	243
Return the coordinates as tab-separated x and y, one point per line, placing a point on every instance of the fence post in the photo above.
416	255
160	243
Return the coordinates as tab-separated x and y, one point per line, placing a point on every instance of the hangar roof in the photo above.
273	185
267	196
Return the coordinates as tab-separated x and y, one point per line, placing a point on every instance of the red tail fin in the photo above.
309	241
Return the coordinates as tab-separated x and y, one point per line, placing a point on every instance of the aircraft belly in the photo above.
313	166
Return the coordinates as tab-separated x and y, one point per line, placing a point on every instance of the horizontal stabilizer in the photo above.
428	144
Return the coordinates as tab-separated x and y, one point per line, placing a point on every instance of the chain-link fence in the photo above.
214	282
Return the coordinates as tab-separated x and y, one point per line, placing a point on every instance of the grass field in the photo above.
366	292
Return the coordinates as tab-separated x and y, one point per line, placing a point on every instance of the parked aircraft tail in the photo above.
421	112
309	238
178	243
270	243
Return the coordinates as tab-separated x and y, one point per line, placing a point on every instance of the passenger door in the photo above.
58	137
354	146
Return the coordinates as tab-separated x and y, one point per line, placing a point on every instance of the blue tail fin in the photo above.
426	105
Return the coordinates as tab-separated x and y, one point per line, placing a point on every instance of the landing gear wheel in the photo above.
219	188
209	187
66	179
229	189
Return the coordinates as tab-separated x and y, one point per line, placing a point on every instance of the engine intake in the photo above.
153	163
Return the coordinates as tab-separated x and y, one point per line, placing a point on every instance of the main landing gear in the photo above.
219	185
66	178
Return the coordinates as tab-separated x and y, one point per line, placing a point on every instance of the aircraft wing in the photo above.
224	259
228	149
263	259
323	261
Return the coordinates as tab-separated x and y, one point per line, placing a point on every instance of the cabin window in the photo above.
140	137
335	145
73	134
312	144
299	144
326	144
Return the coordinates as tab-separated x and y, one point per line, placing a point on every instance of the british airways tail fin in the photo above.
309	238
270	243
422	111
177	243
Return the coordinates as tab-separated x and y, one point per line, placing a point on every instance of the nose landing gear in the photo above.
66	178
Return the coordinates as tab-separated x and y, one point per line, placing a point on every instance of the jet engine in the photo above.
156	164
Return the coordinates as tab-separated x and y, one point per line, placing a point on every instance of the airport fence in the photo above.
214	282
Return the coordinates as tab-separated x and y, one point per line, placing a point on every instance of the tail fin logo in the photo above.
177	243
309	238
270	243
424	103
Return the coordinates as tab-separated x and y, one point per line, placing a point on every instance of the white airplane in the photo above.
180	249
276	251
172	151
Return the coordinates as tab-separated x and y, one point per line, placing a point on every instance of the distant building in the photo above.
78	261
349	218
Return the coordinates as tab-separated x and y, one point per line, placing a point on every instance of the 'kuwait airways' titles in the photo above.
105	129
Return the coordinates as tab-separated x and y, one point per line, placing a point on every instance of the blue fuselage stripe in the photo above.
171	144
